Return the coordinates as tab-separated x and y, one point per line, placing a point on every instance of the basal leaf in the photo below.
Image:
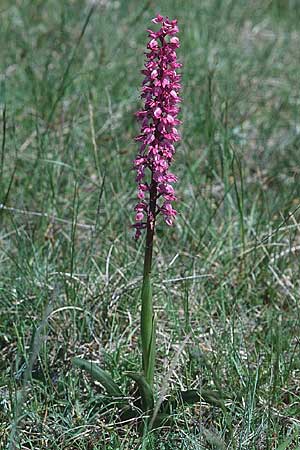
100	375
145	390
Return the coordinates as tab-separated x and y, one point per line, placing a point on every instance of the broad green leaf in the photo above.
284	445
190	397
193	396
162	419
145	390
128	413
168	405
100	375
151	355
148	330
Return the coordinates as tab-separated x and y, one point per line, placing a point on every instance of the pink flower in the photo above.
160	91
153	45
174	41
158	19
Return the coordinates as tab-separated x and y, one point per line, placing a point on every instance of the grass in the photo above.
227	275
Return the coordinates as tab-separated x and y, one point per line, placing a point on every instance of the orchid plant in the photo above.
158	118
158	134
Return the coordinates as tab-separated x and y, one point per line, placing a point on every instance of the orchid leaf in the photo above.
129	413
151	355
190	397
148	330
286	444
213	397
144	389
99	375
162	419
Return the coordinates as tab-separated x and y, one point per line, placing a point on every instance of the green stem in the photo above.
147	314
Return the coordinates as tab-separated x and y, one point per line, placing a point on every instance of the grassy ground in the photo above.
227	275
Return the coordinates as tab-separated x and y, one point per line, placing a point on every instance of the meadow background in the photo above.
226	275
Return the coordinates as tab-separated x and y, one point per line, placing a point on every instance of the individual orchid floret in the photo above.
160	91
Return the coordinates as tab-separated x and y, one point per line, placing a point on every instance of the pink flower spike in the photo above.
170	119
173	94
157	113
158	119
174	41
143	187
157	19
153	45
